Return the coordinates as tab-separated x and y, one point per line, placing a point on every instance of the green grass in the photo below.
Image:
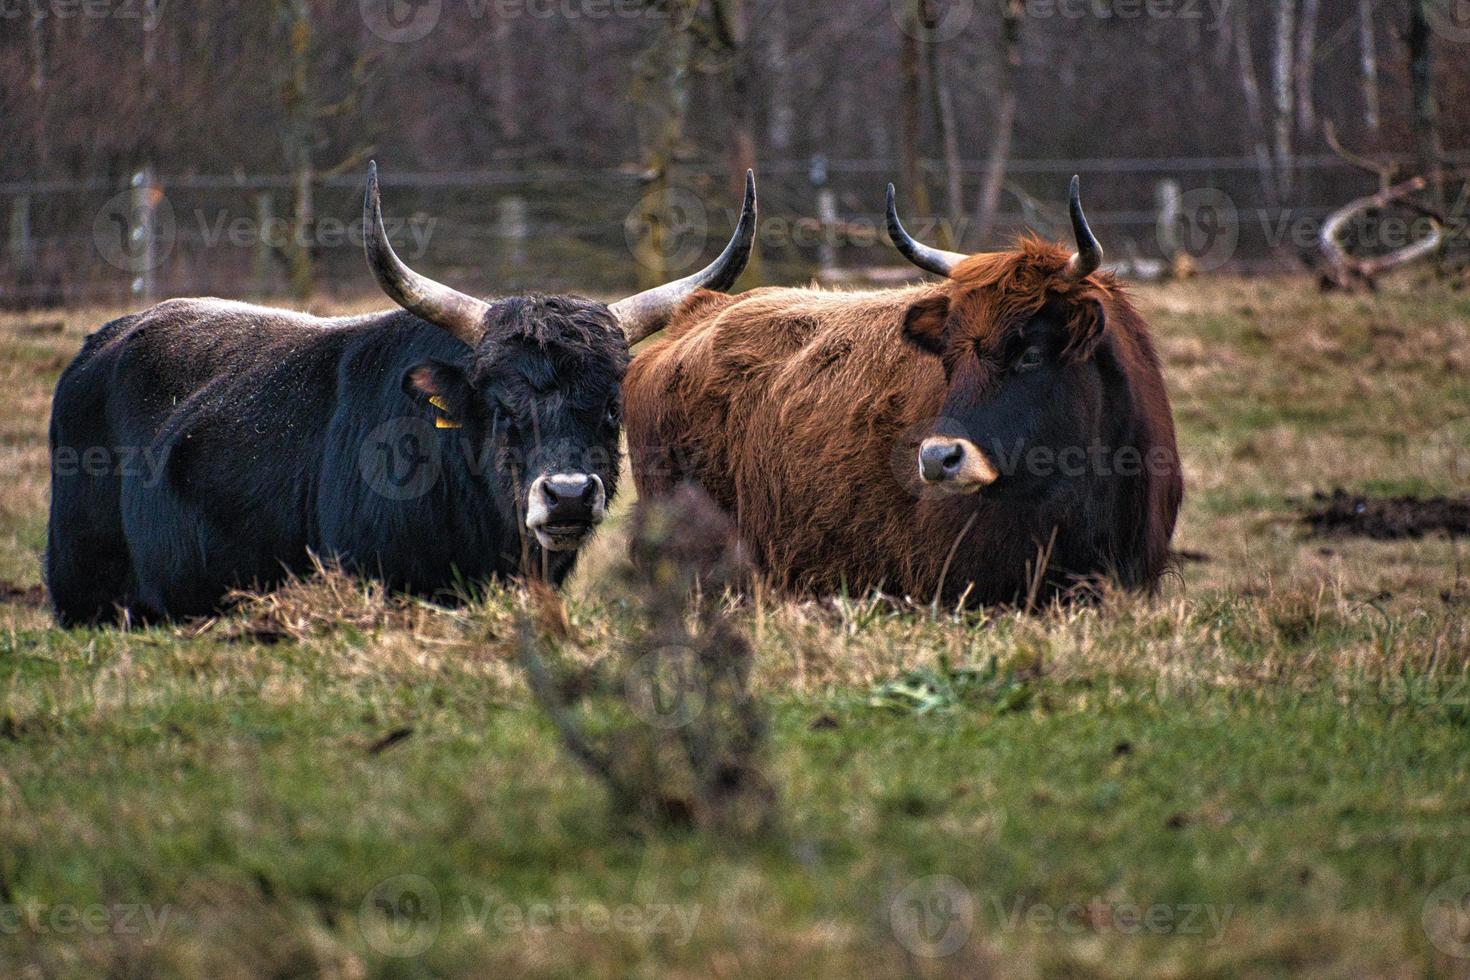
1263	772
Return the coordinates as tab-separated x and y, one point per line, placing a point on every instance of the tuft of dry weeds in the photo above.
690	748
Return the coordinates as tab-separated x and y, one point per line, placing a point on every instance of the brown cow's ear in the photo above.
923	323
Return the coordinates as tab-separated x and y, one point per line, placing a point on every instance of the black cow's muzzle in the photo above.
563	508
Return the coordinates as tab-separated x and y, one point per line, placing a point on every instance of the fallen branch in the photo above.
1347	269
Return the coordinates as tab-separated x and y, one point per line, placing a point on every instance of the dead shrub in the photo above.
667	723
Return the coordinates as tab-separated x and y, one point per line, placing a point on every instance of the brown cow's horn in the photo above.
461	315
649	312
1089	256
934	260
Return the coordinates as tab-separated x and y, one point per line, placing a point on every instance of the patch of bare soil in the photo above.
1342	514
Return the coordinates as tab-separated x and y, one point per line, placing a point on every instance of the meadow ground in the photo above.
1263	772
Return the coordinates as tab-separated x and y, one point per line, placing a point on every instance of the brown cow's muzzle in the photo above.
955	464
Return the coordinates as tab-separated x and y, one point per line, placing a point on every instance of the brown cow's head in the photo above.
1018	336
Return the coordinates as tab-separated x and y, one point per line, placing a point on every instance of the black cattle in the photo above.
204	445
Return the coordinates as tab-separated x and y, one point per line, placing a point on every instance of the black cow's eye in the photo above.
1031	359
614	414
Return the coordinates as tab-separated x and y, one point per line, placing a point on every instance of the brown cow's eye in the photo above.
1031	359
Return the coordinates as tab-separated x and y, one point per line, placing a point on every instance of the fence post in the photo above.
826	217
514	225
265	217
145	195
22	245
1167	197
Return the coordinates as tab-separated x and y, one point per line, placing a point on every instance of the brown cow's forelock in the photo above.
993	295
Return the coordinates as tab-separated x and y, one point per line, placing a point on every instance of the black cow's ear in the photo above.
923	323
1089	320
436	380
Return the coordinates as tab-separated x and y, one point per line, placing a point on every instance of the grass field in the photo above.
1263	772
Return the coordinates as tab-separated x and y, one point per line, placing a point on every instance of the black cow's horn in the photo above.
1089	256
649	312
461	315
934	260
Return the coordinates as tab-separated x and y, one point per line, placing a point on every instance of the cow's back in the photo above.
215	420
793	409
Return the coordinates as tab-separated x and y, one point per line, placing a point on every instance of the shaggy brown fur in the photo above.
800	411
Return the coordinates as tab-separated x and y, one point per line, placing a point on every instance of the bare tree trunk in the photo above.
661	97
1281	78
781	128
150	33
1202	93
909	136
300	121
1251	91
38	50
732	31
1368	47
1306	68
507	107
1005	122
39	25
944	122
1426	112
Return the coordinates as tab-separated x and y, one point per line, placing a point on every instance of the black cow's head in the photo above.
1016	333
540	396
539	387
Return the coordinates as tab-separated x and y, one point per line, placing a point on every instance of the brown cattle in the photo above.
942	440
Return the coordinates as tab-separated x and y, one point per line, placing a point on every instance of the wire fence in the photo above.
138	237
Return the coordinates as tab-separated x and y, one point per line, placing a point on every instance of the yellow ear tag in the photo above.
443	422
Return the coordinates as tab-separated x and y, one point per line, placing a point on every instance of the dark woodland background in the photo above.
549	143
